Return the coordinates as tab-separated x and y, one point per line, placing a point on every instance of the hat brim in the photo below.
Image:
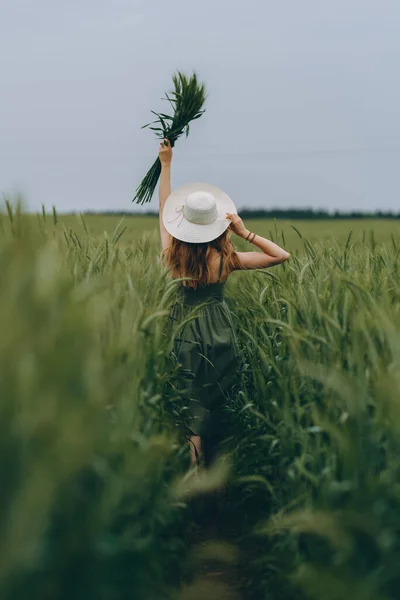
182	229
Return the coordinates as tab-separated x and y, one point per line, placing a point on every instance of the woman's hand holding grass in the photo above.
165	153
187	101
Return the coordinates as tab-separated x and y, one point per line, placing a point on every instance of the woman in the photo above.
196	222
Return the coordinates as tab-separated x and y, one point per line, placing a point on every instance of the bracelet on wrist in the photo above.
248	235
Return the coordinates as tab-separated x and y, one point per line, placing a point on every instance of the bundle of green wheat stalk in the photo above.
187	100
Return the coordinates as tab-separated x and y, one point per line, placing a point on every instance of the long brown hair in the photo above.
192	260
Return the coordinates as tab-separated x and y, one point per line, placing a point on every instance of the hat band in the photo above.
199	219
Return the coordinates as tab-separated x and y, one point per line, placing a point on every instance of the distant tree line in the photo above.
309	213
276	213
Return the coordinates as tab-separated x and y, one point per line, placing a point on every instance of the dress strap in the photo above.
220	268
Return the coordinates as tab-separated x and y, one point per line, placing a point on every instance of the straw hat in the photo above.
196	212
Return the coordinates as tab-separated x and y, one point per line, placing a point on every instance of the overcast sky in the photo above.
303	106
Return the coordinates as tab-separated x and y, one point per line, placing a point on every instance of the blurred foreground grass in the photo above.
95	499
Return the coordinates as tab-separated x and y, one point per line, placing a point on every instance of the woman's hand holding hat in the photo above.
237	225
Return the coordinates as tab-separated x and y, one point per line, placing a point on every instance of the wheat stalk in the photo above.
187	100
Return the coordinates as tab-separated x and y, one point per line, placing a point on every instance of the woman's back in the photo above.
213	290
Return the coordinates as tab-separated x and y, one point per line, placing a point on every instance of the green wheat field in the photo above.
97	499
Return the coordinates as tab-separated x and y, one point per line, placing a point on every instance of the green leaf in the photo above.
187	100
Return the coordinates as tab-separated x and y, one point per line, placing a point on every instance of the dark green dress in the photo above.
207	348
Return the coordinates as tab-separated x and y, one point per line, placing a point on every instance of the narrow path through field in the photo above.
216	568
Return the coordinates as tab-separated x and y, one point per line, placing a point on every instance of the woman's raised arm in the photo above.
165	155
